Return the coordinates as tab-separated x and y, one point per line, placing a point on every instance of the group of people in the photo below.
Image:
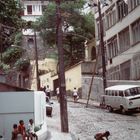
47	91
20	131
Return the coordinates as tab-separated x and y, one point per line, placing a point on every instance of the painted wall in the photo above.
15	106
73	77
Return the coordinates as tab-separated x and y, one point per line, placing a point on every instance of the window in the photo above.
29	9
98	27
113	73
136	31
110	17
125	70
30	42
121	93
132	4
122	9
112	47
124	40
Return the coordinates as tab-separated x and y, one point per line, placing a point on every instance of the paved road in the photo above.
84	122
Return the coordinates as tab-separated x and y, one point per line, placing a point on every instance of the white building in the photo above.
121	19
33	9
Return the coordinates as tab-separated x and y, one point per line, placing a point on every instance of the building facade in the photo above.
121	26
33	9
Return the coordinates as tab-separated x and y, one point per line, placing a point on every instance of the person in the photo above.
102	136
48	91
31	131
75	94
58	93
22	129
15	132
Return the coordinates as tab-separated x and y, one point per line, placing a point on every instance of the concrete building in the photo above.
121	20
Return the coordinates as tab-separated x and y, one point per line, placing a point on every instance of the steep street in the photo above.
84	123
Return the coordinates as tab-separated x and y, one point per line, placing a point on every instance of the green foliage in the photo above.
22	64
4	67
10	11
73	41
18	38
11	55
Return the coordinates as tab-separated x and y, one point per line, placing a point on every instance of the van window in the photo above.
113	93
127	93
133	91
116	93
138	90
121	93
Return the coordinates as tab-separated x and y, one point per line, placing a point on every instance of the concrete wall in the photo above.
96	87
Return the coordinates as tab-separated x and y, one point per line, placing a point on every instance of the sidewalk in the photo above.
54	126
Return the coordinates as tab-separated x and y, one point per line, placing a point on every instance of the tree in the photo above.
81	25
10	22
10	12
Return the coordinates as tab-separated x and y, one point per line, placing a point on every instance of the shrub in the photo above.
22	64
11	55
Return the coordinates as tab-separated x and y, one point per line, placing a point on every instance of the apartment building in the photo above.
121	26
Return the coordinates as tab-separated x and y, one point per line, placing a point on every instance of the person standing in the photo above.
48	91
58	94
75	94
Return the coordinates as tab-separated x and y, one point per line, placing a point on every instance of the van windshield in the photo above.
132	91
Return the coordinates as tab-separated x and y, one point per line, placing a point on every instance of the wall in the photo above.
73	77
46	79
96	87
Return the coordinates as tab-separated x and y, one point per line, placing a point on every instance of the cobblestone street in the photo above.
84	122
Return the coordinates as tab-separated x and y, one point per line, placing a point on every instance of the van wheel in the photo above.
123	111
110	109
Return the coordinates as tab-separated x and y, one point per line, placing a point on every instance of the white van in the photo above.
123	97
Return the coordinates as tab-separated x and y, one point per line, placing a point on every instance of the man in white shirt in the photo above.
31	130
75	94
48	91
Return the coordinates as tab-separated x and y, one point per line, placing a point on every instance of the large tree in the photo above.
10	12
10	31
77	27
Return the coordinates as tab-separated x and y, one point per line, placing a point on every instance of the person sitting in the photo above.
15	132
102	136
22	129
31	130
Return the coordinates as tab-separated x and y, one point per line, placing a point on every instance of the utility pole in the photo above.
61	73
1	42
102	46
36	62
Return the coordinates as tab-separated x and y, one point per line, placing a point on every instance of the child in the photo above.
101	136
22	129
31	129
15	132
